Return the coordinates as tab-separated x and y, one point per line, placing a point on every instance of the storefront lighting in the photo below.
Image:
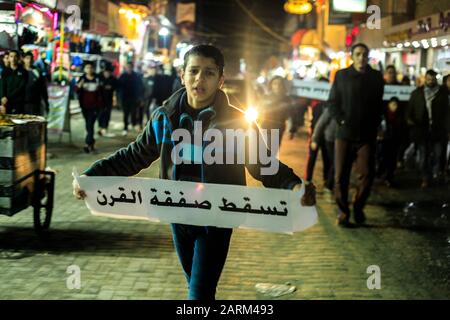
399	45
444	42
385	43
298	7
416	44
261	80
407	44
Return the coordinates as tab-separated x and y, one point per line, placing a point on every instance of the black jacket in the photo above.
14	85
156	142
417	116
356	103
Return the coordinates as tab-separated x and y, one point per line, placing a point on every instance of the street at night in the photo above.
224	150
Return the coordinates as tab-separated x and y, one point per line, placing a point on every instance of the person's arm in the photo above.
130	160
44	92
321	124
335	100
410	109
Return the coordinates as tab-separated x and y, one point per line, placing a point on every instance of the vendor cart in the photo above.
23	179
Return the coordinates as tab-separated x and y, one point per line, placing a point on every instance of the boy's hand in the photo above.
309	197
77	192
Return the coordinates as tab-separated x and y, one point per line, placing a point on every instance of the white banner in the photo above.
200	204
320	90
58	99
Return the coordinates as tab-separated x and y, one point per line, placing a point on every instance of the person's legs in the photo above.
126	114
343	165
424	160
365	167
210	253
202	252
310	162
329	145
325	161
90	116
392	157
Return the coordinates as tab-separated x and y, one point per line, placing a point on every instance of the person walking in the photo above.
109	86
428	115
90	96
14	80
202	250
36	95
355	103
130	89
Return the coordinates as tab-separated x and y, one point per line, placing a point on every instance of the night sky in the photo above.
236	34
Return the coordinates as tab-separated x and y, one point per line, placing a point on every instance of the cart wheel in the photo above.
43	206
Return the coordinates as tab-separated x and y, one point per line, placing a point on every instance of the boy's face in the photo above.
13	58
278	87
393	106
28	61
391	76
6	60
89	69
202	80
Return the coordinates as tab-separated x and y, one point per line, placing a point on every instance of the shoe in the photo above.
359	216
124	133
343	219
102	132
86	149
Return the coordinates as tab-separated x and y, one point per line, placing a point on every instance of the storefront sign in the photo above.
200	204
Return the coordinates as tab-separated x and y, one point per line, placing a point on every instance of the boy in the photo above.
201	250
90	96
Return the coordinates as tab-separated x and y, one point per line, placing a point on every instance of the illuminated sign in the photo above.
350	5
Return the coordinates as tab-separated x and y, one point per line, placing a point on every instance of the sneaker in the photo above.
86	149
124	133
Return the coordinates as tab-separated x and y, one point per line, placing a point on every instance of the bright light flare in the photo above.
251	114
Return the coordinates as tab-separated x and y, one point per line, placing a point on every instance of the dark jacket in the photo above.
156	142
325	128
36	90
131	87
108	87
418	120
14	83
356	103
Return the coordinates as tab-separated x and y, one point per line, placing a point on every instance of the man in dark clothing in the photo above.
202	250
355	103
149	83
90	96
36	95
428	115
14	85
109	86
130	90
163	85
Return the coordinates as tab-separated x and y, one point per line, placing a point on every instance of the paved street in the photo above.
135	259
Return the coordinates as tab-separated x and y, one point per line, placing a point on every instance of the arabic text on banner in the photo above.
320	90
201	204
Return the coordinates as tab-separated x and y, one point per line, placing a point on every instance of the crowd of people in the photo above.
23	86
357	126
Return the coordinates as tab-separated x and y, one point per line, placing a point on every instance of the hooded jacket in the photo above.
156	142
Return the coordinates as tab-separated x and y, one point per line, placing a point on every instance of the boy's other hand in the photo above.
77	192
309	197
